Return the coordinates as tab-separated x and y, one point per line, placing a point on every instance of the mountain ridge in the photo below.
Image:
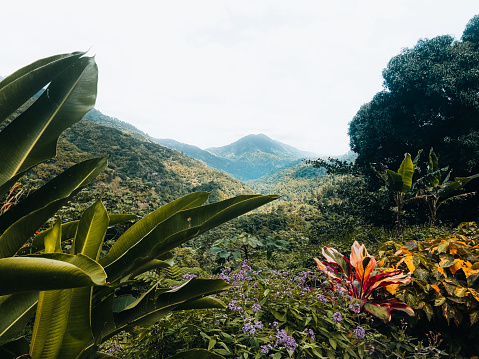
248	158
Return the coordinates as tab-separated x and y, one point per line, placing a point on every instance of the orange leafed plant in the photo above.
360	277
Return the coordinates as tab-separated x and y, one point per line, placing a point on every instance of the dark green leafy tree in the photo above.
429	100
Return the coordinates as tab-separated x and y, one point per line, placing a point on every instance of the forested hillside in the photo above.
295	182
133	162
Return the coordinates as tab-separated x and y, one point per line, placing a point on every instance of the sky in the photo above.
208	72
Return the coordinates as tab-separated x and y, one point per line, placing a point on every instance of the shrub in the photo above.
277	314
444	290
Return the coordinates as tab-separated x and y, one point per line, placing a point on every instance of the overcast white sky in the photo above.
209	72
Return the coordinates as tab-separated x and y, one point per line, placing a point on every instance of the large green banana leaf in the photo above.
132	251
154	305
457	184
50	323
48	272
141	228
68	97
69	230
20	86
62	324
406	171
88	241
16	230
15	312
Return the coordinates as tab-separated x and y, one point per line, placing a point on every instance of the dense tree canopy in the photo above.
430	99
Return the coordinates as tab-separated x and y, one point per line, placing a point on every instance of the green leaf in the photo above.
91	231
201	303
21	274
406	171
457	184
211	343
50	323
378	311
439	301
433	168
138	246
69	96
20	86
151	265
144	226
196	354
394	181
69	230
88	241
332	342
21	222
16	310
151	306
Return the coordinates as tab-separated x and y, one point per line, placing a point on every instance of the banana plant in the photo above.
437	190
400	184
359	277
29	139
74	296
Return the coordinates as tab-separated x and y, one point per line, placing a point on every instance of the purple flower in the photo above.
356	307
264	349
337	317
283	338
255	307
321	298
258	324
249	328
309	333
360	332
234	307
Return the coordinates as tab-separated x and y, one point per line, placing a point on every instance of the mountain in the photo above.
219	163
96	116
248	158
261	143
133	164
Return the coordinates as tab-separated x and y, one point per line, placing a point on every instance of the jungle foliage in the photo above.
75	298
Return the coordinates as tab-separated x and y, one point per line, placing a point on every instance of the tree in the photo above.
429	100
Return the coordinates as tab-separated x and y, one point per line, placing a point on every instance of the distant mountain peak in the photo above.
259	142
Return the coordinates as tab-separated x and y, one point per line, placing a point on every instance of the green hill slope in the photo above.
133	164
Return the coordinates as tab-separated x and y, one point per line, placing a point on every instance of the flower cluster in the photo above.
283	338
233	306
256	307
360	332
250	327
337	317
355	308
310	333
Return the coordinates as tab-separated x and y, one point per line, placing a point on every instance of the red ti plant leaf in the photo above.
356	277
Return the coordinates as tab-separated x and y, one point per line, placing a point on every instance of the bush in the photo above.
277	314
444	290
